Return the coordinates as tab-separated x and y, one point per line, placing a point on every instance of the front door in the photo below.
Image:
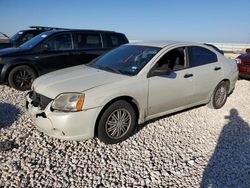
171	91
55	53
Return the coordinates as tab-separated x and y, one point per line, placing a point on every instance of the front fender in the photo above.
9	66
135	89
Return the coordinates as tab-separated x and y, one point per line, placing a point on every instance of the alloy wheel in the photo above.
220	96
23	78
118	123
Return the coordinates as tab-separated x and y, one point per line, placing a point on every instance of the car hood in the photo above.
73	79
11	51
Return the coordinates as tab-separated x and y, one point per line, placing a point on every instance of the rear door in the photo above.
113	40
87	46
206	69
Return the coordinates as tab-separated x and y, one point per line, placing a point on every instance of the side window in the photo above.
174	59
59	42
114	40
200	56
27	37
86	41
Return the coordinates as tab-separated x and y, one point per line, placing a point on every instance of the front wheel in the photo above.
219	96
117	122
21	77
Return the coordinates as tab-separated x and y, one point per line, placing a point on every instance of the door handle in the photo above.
217	68
188	75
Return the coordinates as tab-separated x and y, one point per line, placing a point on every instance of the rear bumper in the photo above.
244	70
233	81
245	75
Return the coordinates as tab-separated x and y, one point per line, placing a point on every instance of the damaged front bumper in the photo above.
64	125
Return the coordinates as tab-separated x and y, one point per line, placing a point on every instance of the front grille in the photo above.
39	100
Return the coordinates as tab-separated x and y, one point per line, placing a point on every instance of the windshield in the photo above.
127	59
16	36
35	40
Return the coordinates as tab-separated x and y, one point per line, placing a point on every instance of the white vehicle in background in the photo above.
129	85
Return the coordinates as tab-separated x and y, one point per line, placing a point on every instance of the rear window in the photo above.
200	56
115	40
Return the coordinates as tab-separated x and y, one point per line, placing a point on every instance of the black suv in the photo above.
52	50
23	36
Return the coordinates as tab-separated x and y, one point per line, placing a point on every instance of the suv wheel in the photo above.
21	77
117	122
219	96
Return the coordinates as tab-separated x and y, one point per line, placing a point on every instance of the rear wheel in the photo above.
21	77
219	96
117	122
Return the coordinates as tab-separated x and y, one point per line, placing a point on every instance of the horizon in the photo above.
213	22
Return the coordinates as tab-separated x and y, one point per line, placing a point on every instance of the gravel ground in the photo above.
198	147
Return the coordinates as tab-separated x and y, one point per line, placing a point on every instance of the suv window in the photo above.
27	37
114	40
84	41
59	42
200	56
174	59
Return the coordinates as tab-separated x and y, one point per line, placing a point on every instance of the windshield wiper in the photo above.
113	70
109	69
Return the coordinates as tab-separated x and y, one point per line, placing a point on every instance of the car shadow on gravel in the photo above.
229	165
139	127
9	113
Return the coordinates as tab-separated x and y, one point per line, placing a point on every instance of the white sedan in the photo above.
128	86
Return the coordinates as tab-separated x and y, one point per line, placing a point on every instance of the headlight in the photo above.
68	102
238	61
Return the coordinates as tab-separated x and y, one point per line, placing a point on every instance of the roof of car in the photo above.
83	30
159	43
30	30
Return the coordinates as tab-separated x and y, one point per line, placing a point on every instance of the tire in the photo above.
21	77
219	96
109	122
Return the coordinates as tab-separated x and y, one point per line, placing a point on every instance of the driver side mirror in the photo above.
161	71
